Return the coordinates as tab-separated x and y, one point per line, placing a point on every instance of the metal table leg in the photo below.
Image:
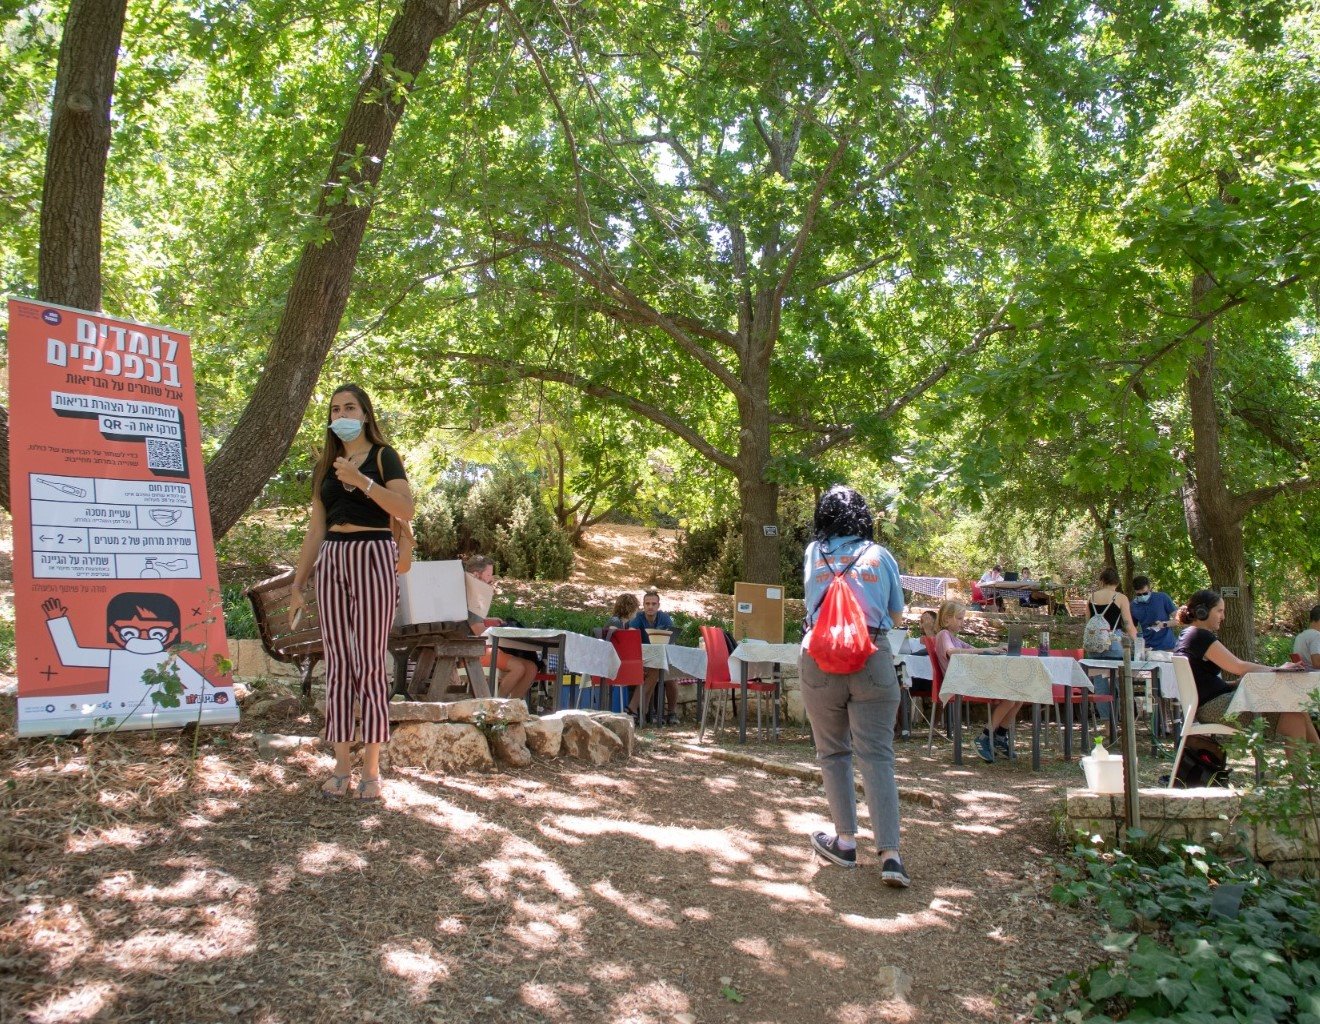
957	728
742	704
1068	693
1035	737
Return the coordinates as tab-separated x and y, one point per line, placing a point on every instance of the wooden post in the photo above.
1131	809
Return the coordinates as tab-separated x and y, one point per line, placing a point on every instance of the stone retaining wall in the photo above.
1210	816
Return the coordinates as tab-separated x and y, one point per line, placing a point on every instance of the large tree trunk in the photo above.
315	304
759	498
69	257
1214	515
69	260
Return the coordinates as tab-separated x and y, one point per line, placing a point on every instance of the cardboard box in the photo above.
479	595
433	592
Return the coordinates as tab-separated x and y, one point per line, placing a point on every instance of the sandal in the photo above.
337	787
362	792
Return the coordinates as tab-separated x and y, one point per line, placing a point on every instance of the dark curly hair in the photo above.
842	512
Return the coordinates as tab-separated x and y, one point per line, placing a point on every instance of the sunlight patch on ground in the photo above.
760	950
711	842
329	859
785	892
63	935
897	924
417	965
191	885
984	830
661	1000
543	926
646	910
224	931
128	837
83	1003
892	1010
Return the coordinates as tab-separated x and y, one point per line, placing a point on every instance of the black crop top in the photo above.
355	507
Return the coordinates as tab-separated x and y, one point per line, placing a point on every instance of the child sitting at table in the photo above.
950	620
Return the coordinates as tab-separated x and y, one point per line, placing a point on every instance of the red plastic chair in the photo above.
937	681
627	644
1085	697
719	678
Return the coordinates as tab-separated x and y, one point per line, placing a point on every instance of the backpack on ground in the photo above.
839	640
1098	636
1203	763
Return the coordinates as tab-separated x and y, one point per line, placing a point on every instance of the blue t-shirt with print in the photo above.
874	579
1148	609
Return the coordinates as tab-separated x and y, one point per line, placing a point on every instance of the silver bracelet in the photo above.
370	484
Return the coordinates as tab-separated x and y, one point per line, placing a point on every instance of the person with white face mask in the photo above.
1153	612
141	627
358	486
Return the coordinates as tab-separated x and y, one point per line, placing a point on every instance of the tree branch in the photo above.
653	413
1244	503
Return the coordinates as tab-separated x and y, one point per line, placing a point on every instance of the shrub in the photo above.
240	621
1195	939
502	516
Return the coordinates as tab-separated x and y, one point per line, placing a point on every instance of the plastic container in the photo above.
1104	775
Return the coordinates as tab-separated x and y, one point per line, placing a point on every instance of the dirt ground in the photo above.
139	885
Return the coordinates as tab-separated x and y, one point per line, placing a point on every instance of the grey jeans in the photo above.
854	714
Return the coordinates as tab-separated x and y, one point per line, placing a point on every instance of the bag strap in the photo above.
826	559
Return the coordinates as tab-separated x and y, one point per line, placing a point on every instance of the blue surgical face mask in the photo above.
1141	598
346	429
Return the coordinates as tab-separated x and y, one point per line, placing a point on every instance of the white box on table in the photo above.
433	592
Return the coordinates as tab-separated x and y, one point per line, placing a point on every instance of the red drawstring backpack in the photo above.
839	641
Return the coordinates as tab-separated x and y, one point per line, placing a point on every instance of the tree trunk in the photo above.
1214	518
758	497
69	259
69	256
316	300
1129	564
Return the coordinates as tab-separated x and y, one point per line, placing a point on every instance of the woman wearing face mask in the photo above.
358	486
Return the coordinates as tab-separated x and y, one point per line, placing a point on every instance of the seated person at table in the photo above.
1306	648
1152	613
516	668
1199	644
980	597
921	687
949	621
651	617
625	607
1036	598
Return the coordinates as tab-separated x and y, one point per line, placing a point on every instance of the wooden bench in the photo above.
1076	606
440	646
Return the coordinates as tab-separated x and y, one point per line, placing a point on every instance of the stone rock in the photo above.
509	745
439	746
892	982
273	746
545	736
588	740
488	709
622	726
419	711
241	692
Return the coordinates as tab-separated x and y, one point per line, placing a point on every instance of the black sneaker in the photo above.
671	719
828	847
893	874
1001	744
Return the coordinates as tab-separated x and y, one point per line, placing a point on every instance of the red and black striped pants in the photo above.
357	592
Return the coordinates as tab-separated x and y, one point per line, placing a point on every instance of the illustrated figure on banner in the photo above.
141	628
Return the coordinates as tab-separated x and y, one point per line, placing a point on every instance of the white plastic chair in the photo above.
1187	696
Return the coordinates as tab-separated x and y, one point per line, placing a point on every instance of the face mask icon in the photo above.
151	641
165	516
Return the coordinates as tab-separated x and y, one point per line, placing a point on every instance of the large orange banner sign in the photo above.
114	564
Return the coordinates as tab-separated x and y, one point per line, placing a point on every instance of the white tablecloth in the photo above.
1273	691
1158	667
917	666
678	662
761	656
931	586
582	654
1000	677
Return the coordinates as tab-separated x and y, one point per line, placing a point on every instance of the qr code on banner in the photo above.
164	455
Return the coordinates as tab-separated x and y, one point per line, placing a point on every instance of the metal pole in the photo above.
1131	810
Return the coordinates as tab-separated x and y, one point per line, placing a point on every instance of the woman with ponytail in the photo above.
1199	644
358	486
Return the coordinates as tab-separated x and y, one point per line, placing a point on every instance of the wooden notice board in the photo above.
758	612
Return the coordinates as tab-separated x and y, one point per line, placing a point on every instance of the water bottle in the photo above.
1044	648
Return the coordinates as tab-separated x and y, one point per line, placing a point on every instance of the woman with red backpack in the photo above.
852	712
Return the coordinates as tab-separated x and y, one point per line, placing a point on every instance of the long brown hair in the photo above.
334	447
